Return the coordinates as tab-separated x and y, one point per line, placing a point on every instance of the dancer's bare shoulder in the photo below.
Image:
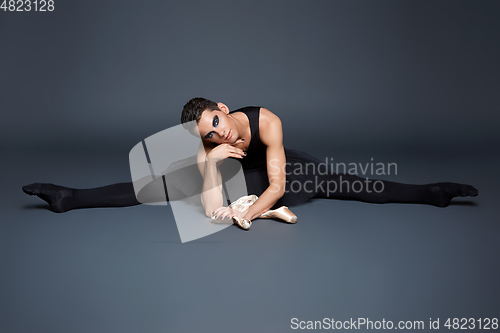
270	128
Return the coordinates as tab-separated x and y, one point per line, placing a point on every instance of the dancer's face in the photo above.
218	126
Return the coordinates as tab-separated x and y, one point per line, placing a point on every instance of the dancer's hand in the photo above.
226	150
222	213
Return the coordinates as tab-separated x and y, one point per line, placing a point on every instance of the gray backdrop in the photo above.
411	82
113	72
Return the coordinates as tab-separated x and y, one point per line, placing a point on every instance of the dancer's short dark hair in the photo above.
195	107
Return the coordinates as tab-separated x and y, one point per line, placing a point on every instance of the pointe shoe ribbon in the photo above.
243	203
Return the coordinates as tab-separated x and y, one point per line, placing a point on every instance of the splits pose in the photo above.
253	135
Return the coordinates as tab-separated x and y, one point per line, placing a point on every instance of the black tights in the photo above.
61	199
349	187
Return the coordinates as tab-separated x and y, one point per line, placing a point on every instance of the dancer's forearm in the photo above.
264	203
211	195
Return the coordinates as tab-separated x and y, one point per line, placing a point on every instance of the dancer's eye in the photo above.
215	123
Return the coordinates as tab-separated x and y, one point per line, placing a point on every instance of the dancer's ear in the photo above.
223	107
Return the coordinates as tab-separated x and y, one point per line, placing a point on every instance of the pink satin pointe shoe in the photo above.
243	203
244	224
240	205
282	213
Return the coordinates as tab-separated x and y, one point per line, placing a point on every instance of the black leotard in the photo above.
255	165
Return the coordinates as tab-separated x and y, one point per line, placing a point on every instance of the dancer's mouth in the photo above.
228	135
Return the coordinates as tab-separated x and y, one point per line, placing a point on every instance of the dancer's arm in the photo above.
209	159
211	195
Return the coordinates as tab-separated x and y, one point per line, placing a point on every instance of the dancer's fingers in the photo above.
238	141
236	155
236	150
222	211
226	214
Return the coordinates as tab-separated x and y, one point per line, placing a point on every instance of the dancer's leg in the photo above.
350	187
62	199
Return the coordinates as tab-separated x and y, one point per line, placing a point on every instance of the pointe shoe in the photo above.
282	213
243	203
240	205
242	223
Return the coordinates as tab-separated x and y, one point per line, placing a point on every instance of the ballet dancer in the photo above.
253	135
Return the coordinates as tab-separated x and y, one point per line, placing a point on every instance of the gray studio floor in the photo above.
125	270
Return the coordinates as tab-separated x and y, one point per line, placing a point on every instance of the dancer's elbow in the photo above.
277	191
209	210
210	205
